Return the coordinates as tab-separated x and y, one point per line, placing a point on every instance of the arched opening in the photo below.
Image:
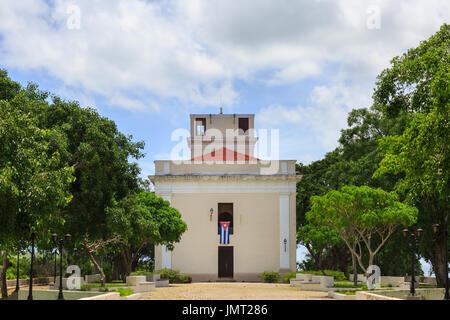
225	214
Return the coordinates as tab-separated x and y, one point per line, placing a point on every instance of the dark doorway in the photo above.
226	262
225	214
243	124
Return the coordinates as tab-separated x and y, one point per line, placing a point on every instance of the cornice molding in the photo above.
224	177
282	184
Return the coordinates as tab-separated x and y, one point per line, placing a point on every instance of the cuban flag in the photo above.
225	232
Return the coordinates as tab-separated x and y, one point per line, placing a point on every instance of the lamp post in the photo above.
444	234
30	291
60	244
413	242
17	275
55	253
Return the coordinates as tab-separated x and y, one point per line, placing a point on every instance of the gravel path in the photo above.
232	291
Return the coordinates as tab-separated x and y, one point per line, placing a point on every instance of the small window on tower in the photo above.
200	124
225	214
243	124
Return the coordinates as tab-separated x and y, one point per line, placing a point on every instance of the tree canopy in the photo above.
356	214
418	84
400	143
66	169
142	219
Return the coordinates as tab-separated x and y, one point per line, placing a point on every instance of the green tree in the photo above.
34	185
99	154
356	214
319	241
143	219
352	163
418	84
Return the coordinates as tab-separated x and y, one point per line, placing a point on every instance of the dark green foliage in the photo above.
143	219
418	84
288	276
174	276
410	115
270	276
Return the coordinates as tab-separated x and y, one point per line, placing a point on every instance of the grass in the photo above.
353	291
99	285
349	285
346	292
125	292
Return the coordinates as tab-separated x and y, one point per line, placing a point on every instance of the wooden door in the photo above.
226	262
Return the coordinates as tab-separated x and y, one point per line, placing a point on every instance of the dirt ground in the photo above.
232	291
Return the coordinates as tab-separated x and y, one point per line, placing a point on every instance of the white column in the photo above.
284	231
166	258
166	254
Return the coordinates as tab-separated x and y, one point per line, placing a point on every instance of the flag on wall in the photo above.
224	232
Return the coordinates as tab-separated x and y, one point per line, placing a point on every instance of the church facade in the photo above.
240	210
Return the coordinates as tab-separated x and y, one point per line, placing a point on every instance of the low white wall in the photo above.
360	277
93	278
361	295
340	296
135	280
162	283
392	281
144	287
106	296
135	296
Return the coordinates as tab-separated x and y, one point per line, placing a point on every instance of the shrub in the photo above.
270	276
338	275
170	274
288	276
24	268
141	273
182	278
174	276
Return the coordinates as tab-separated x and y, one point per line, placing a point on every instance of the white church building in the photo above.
240	210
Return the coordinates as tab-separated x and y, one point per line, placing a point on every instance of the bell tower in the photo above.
222	133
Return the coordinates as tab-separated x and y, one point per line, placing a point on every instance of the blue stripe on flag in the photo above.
224	234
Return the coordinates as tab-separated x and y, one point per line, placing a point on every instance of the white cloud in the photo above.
294	73
194	50
323	119
133	104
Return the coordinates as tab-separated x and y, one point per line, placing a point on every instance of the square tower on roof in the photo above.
214	132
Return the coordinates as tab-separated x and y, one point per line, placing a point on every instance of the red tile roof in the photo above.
225	154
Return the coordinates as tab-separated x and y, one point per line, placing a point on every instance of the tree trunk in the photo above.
116	268
6	265
96	264
437	259
129	256
127	260
355	271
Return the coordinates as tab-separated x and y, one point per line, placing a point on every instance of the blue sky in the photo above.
300	66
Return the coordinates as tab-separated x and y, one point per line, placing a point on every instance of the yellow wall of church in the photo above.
256	236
